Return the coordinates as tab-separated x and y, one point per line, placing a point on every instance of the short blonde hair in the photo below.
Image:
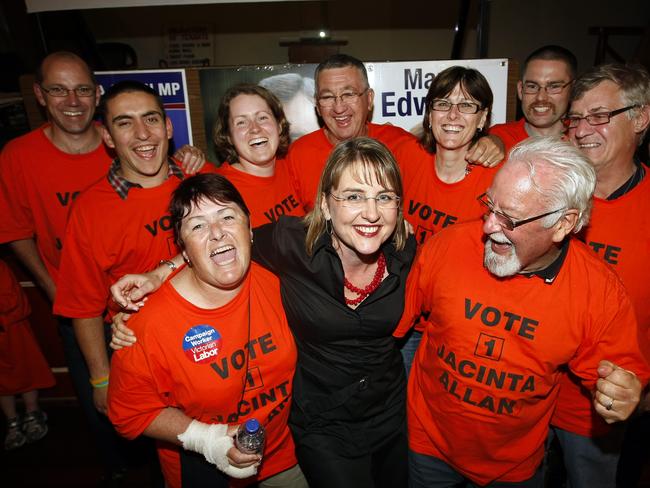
370	159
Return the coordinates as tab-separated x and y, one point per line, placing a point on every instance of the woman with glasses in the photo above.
342	273
440	186
251	135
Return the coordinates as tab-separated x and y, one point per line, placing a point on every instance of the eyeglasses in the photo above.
80	91
347	98
601	118
506	221
358	200
441	105
532	88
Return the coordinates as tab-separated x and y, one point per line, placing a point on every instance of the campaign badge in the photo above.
202	344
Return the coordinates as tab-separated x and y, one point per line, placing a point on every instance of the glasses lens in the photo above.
467	108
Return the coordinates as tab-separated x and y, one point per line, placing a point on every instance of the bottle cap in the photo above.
252	426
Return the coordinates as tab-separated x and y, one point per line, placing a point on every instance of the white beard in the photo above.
497	264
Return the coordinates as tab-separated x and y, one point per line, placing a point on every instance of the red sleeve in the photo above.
83	284
133	398
17	221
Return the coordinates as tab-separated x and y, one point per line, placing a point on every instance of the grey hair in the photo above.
570	180
632	80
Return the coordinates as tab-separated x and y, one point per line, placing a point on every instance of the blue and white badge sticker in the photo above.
202	344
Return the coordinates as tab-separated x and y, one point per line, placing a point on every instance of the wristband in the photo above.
99	382
169	263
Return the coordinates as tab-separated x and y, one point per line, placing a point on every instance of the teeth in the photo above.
144	148
452	128
542	109
71	114
220	250
368	229
588	145
258	141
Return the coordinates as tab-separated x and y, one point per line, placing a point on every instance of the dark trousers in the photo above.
431	472
115	452
385	467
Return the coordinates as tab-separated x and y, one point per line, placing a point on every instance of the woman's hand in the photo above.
122	336
237	458
130	290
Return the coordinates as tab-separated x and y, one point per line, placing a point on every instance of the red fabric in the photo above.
108	237
484	380
22	365
38	182
157	373
266	198
430	204
510	133
619	233
308	155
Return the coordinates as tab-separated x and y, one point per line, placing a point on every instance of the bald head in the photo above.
51	61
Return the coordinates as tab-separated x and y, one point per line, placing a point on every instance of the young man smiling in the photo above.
120	224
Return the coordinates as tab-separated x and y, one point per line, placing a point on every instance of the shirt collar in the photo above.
549	273
122	186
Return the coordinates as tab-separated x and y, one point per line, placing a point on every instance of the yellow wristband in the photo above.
99	382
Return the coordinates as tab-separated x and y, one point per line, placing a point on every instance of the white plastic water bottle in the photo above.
250	437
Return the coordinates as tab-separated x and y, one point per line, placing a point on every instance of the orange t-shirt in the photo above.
266	197
430	204
38	182
108	237
619	233
510	133
22	365
484	381
196	359
308	155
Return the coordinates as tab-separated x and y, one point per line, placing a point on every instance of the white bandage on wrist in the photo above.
212	441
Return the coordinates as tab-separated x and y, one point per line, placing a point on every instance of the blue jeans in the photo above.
431	472
409	347
590	462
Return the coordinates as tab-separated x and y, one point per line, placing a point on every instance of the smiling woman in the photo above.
200	338
251	134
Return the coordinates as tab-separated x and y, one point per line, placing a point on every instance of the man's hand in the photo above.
237	458
122	336
617	394
488	151
100	398
191	158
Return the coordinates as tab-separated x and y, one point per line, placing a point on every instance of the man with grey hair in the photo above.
344	101
510	301
607	120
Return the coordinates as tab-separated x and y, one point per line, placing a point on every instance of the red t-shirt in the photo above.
108	237
430	204
22	365
266	197
195	359
619	233
510	133
484	381
308	155
38	182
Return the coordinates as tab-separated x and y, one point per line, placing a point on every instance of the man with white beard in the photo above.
510	301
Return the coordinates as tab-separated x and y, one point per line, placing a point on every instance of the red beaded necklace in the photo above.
374	284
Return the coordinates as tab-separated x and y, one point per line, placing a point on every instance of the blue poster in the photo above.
170	84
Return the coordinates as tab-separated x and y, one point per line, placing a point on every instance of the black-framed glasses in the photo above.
60	91
532	88
600	118
442	105
347	98
358	200
506	221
